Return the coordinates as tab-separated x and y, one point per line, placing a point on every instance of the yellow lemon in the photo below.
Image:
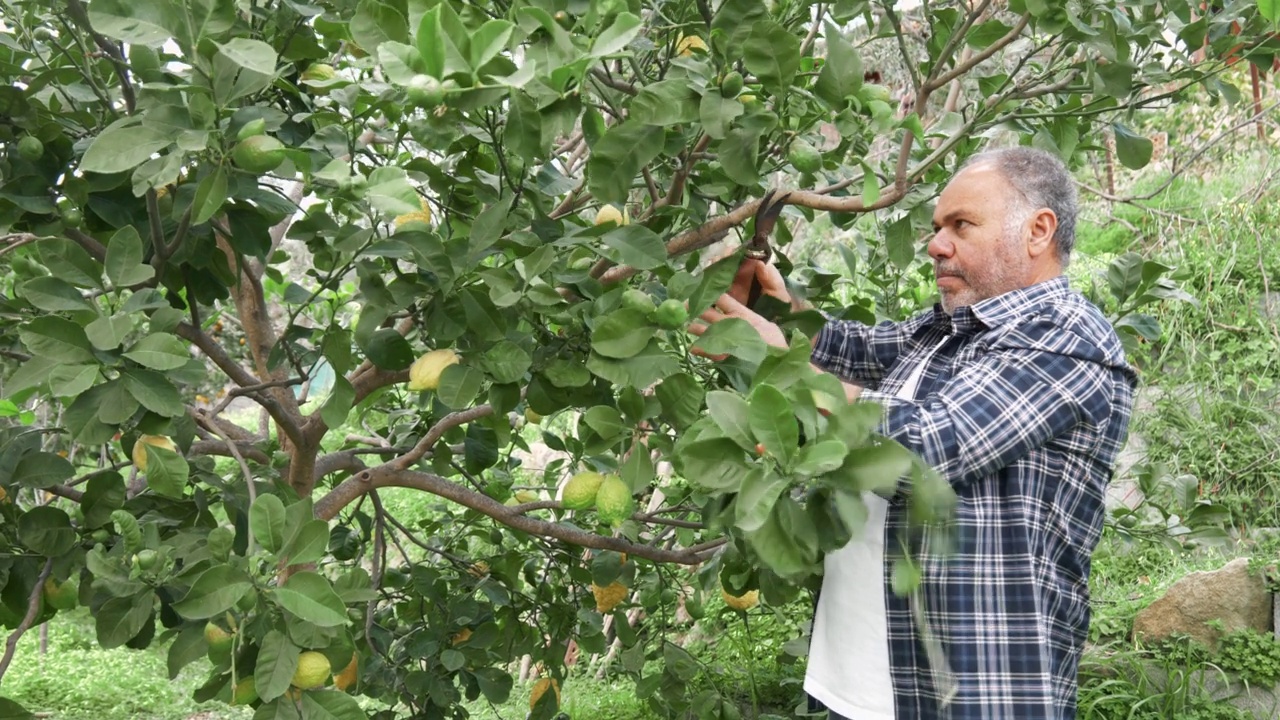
424	374
608	597
140	450
313	670
686	45
743	602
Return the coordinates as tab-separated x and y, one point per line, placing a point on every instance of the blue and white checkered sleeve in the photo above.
862	353
996	411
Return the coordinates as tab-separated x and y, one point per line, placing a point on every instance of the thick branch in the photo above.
619	85
66	492
33	609
96	250
222	448
385	476
240	376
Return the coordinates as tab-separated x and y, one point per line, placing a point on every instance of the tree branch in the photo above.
443	425
954	41
77	12
96	250
33	609
609	80
386	476
992	49
66	492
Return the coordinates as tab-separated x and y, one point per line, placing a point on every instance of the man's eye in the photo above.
962	224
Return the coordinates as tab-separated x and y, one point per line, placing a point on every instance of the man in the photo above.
1016	390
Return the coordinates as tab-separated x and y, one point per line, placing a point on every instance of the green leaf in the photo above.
714	463
904	577
326	704
821	457
252	55
507	362
732	415
488	226
459	386
312	599
153	391
495	683
1133	150
141	22
58	339
634	245
124	259
400	62
983	34
267	522
53	295
1270	9
431	43
210	196
901	242
70	262
615	38
640	371
738	153
308	545
566	374
841	74
105	493
390	192
619	157
733	21
106	333
489	41
666	102
375	23
389	350
773	422
216	591
715	281
622	334
41	470
187	648
760	490
637	470
681	397
159	351
277	662
877	468
338	405
772	54
606	421
733	336
123	145
81	418
117	405
787	542
121	618
47	530
717	114
870	187
69	381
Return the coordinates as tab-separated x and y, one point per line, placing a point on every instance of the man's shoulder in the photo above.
1070	324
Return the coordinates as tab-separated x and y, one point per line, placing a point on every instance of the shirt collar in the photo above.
1001	309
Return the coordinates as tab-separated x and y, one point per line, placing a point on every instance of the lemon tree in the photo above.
260	268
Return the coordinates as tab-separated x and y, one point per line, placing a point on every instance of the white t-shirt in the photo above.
849	651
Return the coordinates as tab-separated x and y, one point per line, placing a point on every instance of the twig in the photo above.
386	476
66	492
113	52
436	431
95	249
609	80
33	609
813	31
995	47
236	392
16	240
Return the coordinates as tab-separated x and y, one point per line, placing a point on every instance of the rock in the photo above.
1229	595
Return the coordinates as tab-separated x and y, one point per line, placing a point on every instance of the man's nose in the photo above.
940	246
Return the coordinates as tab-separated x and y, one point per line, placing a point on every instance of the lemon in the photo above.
540	688
686	45
609	213
409	221
140	450
608	597
425	372
478	569
613	501
219	640
30	148
532	417
671	314
424	91
258	154
743	602
313	670
60	596
460	637
317	73
580	491
245	692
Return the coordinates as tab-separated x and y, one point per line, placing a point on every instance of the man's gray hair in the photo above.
1043	182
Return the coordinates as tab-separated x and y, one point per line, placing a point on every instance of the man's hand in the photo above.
729	307
767	275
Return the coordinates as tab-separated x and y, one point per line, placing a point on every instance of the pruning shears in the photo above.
758	248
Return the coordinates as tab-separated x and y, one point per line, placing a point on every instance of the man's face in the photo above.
979	249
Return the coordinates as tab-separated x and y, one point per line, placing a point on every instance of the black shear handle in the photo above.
756	290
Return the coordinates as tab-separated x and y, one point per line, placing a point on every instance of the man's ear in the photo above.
1040	231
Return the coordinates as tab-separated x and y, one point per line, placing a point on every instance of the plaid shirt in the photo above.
1024	411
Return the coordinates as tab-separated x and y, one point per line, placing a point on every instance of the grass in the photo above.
76	680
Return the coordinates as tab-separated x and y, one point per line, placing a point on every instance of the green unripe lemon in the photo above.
258	154
731	85
30	148
636	299
614	503
424	91
804	157
671	314
580	491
